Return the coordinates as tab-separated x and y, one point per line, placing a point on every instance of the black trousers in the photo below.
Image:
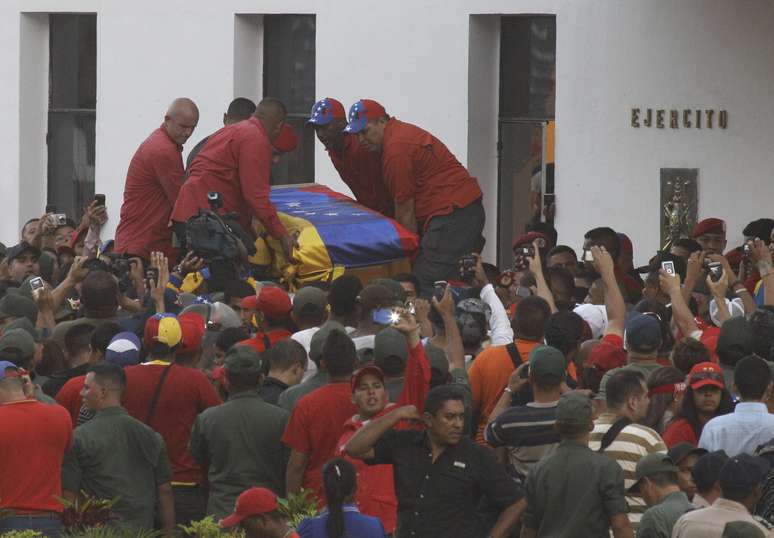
446	240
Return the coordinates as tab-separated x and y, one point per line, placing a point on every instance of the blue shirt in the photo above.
742	431
356	524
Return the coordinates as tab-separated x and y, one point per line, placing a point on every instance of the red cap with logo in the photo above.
253	502
706	374
366	370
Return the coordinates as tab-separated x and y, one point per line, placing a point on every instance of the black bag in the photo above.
209	236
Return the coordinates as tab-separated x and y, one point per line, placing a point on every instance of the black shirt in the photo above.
271	389
58	380
441	498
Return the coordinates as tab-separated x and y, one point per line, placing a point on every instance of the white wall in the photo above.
430	64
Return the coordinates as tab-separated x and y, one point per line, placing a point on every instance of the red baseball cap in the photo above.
192	327
361	112
274	302
361	373
253	502
287	139
164	329
326	110
608	355
709	226
704	374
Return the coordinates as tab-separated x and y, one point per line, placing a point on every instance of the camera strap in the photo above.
514	354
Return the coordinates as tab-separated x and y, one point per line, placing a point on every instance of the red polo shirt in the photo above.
361	170
152	185
417	165
69	397
186	393
258	343
236	162
315	427
33	440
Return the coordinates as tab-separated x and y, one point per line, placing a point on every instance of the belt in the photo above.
35	514
184	484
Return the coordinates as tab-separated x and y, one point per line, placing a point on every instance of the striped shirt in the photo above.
634	442
528	432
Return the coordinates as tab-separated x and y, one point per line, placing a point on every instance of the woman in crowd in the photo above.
341	518
666	387
705	398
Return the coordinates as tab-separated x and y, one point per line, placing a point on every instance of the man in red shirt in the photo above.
236	162
433	193
359	167
272	312
168	397
33	440
318	418
376	490
152	184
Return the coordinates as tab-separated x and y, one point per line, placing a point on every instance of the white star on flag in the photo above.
331	214
294	204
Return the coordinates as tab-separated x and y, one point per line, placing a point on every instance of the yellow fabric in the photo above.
314	263
550	141
191	282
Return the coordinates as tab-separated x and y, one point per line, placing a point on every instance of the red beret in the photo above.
709	226
527	239
286	140
274	302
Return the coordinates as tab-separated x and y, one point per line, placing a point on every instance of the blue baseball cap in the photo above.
8	365
325	111
642	333
361	112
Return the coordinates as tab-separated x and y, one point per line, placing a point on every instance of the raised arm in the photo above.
614	301
680	311
536	266
499	324
361	445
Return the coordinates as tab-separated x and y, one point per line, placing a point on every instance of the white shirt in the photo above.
500	329
742	431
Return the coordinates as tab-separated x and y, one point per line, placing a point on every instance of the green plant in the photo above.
298	506
21	534
86	512
209	528
113	531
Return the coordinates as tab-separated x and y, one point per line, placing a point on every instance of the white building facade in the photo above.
435	63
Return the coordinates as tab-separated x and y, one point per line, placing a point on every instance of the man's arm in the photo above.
361	445
680	311
254	165
168	169
694	271
508	519
455	350
614	301
536	266
719	290
167	509
294	476
405	215
417	372
398	173
499	324
621	526
77	274
515	384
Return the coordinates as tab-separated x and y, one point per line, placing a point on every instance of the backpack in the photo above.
209	236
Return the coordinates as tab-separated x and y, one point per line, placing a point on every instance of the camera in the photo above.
747	250
215	200
715	269
468	267
521	257
60	219
439	288
99	199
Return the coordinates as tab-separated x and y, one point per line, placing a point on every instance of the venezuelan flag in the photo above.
335	233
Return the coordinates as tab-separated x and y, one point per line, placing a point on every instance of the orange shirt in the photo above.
488	376
416	165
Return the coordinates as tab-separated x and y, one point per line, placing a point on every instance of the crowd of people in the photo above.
562	395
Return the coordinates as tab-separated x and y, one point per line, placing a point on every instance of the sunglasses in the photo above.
707	375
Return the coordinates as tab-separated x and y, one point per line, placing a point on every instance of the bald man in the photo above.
153	182
236	162
238	110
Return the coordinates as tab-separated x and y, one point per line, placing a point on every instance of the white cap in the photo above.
595	316
735	308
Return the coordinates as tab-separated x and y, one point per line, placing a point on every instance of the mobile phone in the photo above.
50	208
152	273
668	267
100	199
383	316
587	256
467	266
36	283
439	288
60	219
715	270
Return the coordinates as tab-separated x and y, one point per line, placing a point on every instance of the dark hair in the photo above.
562	285
236	289
561	249
52	359
77	339
340	483
762	324
689	352
230	336
103	334
689	413
243	379
491	271
735	493
545	228
438	396
665	375
99	294
241	107
532	313
408	277
691	245
564	331
107	373
339	354
664	318
752	376
343	295
284	355
623	385
372	297
606	237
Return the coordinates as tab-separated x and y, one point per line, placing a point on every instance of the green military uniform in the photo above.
657	521
116	456
289	398
240	442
